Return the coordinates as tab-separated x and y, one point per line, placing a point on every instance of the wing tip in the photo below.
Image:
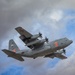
18	28
22	60
4	50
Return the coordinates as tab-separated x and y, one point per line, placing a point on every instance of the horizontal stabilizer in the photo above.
13	55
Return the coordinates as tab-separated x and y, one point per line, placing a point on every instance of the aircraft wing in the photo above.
58	55
26	38
13	55
23	32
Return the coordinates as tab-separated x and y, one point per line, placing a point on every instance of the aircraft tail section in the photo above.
13	55
12	51
12	46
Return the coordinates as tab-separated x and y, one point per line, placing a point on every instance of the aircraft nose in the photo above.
71	41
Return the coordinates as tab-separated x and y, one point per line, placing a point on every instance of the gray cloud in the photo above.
66	4
14	12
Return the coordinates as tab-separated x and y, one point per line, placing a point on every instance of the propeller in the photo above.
46	39
64	51
40	35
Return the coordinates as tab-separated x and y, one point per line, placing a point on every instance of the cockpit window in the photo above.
66	39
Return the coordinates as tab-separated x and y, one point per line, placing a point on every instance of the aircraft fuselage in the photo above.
48	48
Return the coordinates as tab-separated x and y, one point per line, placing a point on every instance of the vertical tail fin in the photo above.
12	46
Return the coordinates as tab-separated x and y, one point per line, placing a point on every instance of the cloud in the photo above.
15	70
14	12
67	67
66	4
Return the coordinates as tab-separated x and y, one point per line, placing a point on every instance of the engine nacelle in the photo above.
61	51
36	36
36	42
22	37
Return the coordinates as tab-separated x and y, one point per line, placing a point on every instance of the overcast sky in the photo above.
53	18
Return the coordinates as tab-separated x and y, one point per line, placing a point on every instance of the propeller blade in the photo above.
40	35
46	39
64	51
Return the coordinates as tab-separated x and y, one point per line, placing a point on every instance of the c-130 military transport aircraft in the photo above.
38	47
